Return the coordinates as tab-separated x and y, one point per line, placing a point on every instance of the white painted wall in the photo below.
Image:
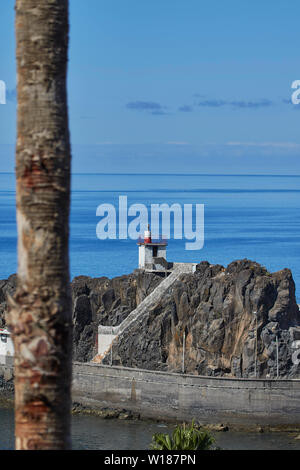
104	343
146	254
6	347
141	256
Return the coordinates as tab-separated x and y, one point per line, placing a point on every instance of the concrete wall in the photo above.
146	255
243	402
162	252
104	342
162	395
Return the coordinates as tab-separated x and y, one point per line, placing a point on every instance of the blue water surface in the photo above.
255	217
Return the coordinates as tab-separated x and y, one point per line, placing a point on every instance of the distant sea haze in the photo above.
255	217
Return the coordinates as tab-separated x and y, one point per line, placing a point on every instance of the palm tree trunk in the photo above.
40	314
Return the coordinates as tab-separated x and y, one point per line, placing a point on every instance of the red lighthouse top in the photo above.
148	240
147	235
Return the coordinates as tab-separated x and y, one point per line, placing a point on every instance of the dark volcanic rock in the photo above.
95	300
215	307
107	302
7	288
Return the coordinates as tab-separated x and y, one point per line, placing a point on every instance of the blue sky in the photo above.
174	86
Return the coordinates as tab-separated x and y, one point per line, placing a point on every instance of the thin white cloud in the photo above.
177	143
264	144
105	143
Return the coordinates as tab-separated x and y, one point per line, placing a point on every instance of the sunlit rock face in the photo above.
7	288
215	308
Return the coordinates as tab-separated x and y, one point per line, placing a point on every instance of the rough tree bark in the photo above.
40	313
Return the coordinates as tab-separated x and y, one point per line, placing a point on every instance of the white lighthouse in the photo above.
152	253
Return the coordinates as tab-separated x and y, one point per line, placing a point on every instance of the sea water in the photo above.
250	216
94	433
254	217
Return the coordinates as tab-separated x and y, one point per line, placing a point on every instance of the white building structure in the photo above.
6	348
152	253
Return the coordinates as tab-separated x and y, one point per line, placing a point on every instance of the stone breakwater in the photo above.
229	320
119	392
167	396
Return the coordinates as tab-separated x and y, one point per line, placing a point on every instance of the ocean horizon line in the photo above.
272	175
181	191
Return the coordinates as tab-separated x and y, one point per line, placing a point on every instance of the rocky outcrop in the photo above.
7	287
107	302
215	308
95	300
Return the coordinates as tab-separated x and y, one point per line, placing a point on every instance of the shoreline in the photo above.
117	414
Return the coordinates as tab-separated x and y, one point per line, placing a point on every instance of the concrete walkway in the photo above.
108	334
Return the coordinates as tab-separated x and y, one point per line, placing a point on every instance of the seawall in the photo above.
167	396
163	395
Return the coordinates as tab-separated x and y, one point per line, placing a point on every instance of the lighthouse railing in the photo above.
154	239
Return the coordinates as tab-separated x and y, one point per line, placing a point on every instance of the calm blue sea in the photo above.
255	217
